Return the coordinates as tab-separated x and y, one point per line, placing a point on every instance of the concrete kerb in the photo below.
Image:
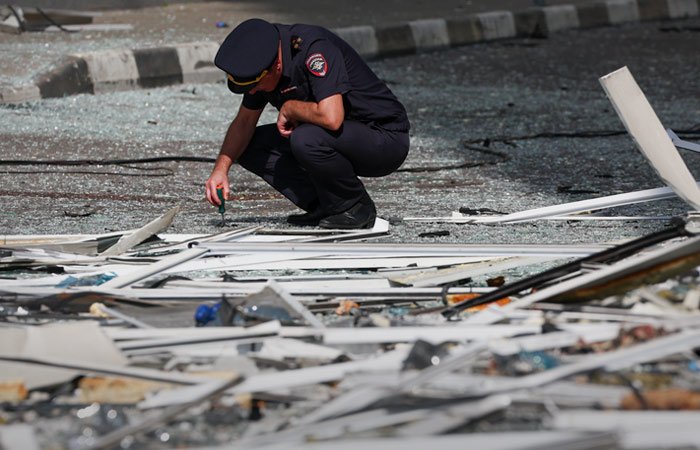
120	69
113	70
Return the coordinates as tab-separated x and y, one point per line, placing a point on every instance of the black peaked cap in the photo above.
248	50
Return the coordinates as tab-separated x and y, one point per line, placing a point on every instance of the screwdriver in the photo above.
222	205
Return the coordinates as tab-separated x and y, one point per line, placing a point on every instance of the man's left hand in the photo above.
329	113
285	125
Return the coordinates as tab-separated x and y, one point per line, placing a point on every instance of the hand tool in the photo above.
222	205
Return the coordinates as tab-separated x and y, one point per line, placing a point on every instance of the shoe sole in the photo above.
304	224
366	225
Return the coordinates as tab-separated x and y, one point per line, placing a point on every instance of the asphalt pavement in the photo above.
28	54
496	93
175	44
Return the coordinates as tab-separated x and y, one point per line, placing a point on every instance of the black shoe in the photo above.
308	219
361	215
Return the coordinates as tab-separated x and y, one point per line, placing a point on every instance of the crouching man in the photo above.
337	120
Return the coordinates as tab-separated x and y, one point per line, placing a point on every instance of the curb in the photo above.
114	70
118	70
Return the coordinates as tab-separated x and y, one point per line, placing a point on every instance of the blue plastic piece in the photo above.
202	314
205	314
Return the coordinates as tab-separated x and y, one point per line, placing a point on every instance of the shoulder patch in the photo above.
317	64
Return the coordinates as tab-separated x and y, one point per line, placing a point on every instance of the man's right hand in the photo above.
215	179
238	136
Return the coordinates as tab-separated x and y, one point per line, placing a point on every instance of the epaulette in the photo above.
296	44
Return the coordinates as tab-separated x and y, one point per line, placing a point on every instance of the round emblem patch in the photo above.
317	64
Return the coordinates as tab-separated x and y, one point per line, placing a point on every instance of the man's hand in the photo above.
285	125
215	179
237	138
329	113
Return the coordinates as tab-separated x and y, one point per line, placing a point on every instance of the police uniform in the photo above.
316	168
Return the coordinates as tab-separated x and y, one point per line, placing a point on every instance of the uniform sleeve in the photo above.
325	68
254	101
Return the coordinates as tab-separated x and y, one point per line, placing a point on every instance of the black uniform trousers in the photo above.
316	167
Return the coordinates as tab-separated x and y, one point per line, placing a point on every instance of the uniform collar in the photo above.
286	39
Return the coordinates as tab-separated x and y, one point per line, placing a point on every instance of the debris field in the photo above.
265	338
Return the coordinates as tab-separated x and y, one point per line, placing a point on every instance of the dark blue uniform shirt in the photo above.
317	64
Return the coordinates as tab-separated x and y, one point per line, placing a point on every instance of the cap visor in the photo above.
237	89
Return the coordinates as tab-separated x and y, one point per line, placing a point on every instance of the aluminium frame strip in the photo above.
638	429
226	236
144	335
130	240
456	273
143	272
609	201
286	260
21	240
460	218
458	333
403	250
110	369
649	135
292	285
197	294
259	332
433	334
555	340
510	440
680	143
